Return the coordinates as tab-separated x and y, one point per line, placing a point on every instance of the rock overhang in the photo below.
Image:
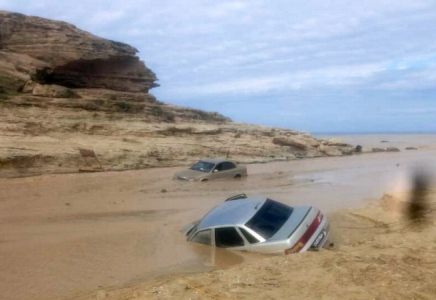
70	57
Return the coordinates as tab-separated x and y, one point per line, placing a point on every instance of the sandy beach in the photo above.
82	236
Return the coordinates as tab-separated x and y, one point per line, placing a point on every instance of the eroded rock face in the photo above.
52	91
16	69
54	52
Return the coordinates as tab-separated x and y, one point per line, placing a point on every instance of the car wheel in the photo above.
238	176
204	180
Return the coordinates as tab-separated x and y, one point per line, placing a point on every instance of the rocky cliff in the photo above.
54	52
72	101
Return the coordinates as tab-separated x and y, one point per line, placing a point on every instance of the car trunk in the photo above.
306	233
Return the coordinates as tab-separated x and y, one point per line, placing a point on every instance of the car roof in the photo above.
214	160
232	212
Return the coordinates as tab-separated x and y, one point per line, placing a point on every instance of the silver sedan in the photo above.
261	225
208	169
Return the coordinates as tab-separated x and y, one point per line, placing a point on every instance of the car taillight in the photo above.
307	235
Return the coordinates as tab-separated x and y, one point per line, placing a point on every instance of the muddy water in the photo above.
62	236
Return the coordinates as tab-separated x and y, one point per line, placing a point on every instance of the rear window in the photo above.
270	218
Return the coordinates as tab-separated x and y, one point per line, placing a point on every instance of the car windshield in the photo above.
270	218
203	166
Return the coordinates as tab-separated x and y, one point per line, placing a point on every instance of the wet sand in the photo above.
62	236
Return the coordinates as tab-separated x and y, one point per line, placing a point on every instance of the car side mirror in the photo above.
214	171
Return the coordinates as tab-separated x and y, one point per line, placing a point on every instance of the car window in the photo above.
219	167
228	165
203	237
228	237
270	218
202	166
250	238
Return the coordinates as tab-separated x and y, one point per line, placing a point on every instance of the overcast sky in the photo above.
312	65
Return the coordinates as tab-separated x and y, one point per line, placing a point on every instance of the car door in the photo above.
225	169
229	237
228	170
217	172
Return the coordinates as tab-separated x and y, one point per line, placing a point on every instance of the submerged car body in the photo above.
261	225
209	169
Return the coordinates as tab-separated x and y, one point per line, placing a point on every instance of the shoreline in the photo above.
265	160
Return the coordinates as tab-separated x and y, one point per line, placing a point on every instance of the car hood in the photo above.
187	174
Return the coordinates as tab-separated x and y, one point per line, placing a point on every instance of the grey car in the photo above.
208	169
261	225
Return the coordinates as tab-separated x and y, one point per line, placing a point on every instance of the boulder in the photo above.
329	150
347	150
411	148
299	144
29	86
336	143
289	132
378	150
